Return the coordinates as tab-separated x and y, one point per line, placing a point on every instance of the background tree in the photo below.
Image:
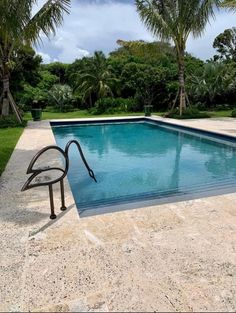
216	83
146	83
136	66
61	96
26	70
225	44
59	69
150	52
131	64
37	94
18	26
176	20
96	79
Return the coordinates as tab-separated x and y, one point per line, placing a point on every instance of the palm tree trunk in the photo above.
181	94
8	100
5	106
182	100
174	102
14	107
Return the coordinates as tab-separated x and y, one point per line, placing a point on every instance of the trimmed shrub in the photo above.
61	97
233	114
222	107
114	105
10	121
191	112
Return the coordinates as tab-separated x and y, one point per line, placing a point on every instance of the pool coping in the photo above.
158	119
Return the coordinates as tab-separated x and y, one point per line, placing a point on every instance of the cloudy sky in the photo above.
97	24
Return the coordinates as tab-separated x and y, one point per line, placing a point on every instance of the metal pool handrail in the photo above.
64	171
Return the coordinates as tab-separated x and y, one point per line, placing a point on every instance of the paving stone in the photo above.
170	257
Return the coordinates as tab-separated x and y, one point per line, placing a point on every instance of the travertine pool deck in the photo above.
171	257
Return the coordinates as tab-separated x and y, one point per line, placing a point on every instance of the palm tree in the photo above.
217	79
18	26
96	78
231	4
61	96
175	20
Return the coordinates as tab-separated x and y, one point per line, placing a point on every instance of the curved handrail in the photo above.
38	171
90	171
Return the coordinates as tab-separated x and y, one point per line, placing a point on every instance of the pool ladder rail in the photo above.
63	171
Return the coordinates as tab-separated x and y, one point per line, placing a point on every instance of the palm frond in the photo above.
229	4
153	15
204	11
46	20
14	15
175	20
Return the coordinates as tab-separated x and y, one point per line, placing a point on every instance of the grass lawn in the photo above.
223	113
8	140
47	115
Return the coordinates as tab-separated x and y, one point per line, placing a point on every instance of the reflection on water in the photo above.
137	158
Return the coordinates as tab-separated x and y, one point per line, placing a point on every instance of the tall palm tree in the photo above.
18	26
175	20
96	78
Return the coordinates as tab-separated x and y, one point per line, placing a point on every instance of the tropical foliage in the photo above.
96	80
176	20
127	80
61	97
136	74
230	4
114	105
36	92
225	44
217	82
19	26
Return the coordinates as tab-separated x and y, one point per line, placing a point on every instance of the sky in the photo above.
97	25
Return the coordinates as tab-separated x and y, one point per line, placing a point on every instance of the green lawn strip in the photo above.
48	115
8	140
80	114
223	113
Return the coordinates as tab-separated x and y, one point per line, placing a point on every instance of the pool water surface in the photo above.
137	161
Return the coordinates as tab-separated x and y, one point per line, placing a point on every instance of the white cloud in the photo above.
46	57
68	48
96	25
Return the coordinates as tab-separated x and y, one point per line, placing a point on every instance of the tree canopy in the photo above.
225	44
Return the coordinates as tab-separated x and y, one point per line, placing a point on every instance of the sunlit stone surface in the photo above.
172	257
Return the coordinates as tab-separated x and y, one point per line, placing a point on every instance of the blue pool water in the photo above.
136	161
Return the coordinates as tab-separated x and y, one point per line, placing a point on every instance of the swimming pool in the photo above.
142	160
